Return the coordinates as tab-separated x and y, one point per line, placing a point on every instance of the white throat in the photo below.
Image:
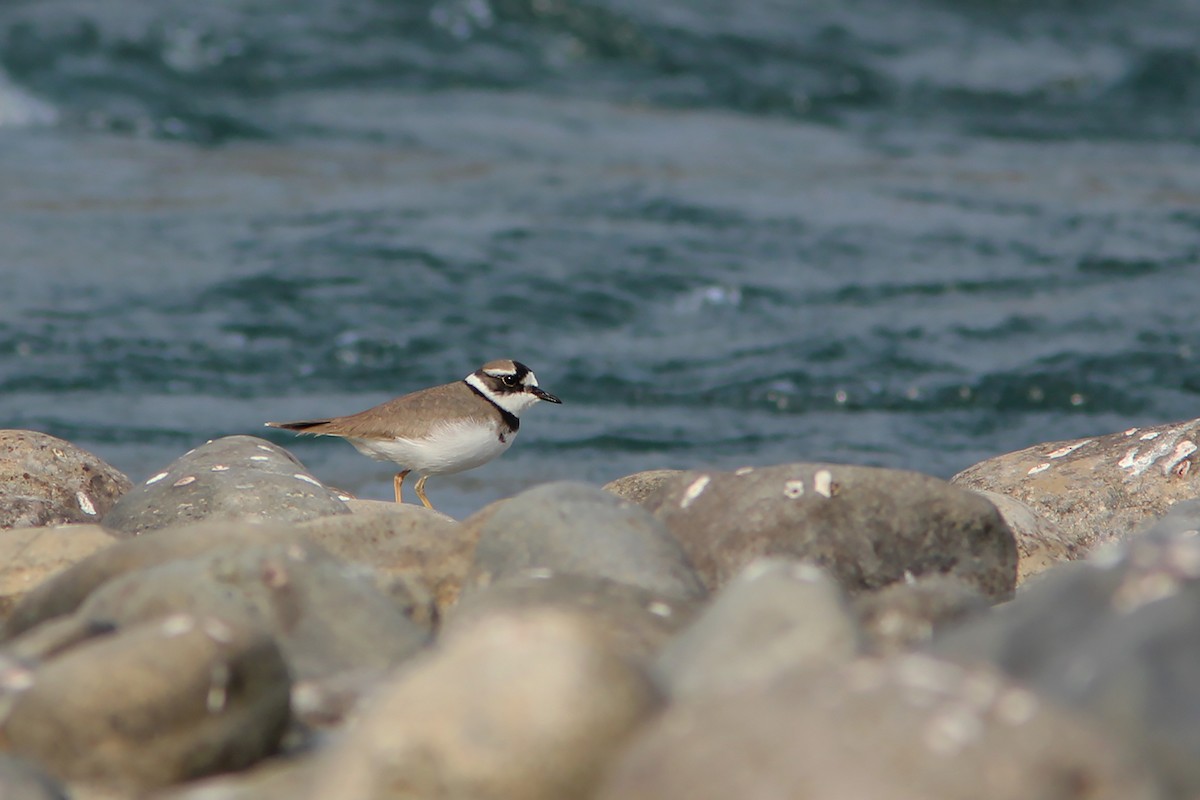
512	402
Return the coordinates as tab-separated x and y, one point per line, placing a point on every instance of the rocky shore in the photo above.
230	627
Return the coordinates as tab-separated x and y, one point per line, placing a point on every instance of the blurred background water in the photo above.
911	233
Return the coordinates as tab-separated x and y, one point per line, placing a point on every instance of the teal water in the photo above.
910	234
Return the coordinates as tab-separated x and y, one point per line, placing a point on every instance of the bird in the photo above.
443	429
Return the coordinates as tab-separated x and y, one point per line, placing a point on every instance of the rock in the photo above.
1101	488
1040	543
905	615
236	478
1118	638
403	541
775	615
274	779
582	530
639	486
912	728
45	480
30	556
635	621
20	780
529	708
151	705
866	527
326	616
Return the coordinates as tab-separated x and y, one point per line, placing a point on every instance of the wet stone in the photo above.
45	480
908	728
521	708
580	529
866	527
1101	488
151	705
235	478
776	615
1117	636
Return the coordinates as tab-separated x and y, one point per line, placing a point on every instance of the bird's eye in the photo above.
510	380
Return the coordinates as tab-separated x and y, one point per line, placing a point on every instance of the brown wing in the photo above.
409	416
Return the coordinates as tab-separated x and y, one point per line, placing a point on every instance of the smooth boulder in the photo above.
31	556
236	478
866	527
45	480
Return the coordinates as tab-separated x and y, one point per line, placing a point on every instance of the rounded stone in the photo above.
866	527
580	529
31	556
45	480
236	478
639	486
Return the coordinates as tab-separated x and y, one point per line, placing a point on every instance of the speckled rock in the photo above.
867	527
580	529
21	780
404	541
29	556
908	729
234	478
326	615
45	480
1040	543
775	615
1117	636
516	709
152	705
906	615
636	621
639	486
1101	488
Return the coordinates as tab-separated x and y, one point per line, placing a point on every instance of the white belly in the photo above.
451	448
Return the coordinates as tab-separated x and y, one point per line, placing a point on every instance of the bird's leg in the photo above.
420	487
398	481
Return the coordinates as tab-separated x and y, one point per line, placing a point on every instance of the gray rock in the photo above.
1100	488
229	479
867	527
528	708
909	729
327	616
21	780
640	486
403	541
1118	637
1040	543
152	705
30	556
580	529
636	621
273	779
906	615
45	480
776	615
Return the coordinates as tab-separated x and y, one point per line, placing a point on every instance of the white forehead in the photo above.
504	372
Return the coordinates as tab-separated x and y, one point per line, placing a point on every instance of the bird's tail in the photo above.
303	426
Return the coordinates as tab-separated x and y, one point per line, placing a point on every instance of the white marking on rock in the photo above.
1016	706
85	504
306	478
16	679
1181	451
660	609
344	497
178	624
264	447
740	471
807	573
909	578
260	458
539	573
218	688
185	481
1137	462
950	731
1042	467
1145	437
217	630
793	489
156	478
1071	448
823	483
1132	431
219	467
695	490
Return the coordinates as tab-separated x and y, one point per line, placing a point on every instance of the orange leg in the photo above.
420	487
398	481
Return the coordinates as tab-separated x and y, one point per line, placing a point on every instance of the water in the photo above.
910	234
